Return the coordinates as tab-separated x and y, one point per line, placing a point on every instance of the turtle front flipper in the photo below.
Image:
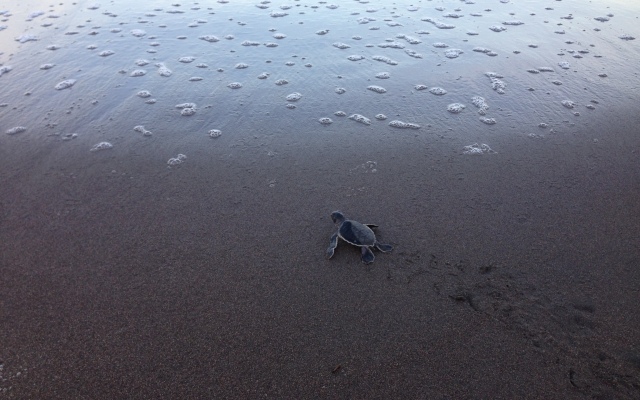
367	255
332	245
385	248
372	225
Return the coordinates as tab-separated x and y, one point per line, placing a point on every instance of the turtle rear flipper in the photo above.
385	248
367	255
332	245
372	225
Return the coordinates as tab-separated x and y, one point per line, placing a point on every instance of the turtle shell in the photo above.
356	233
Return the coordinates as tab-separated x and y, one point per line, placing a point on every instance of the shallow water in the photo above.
104	95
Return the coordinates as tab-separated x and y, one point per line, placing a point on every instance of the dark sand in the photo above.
515	275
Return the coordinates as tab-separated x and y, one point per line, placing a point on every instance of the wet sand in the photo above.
514	274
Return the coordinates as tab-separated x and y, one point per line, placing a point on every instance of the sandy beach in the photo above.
515	272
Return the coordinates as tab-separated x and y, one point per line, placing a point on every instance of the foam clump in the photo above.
44	66
142	62
385	59
186	59
215	133
65	84
488	121
141	129
341	45
627	37
263	75
247	43
478	149
421	87
403	125
383	75
564	65
453	53
496	84
456	108
355	58
360	118
101	146
568	103
278	14
340	114
440	45
497	28
16	130
377	89
381	117
138	32
438	91
341	90
325	121
412	53
4	69
106	53
241	66
281	82
234	85
177	160
163	70
138	72
294	96
480	103
209	38
26	38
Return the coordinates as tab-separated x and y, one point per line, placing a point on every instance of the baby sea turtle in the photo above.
357	234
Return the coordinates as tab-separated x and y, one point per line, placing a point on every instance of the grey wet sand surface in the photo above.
514	274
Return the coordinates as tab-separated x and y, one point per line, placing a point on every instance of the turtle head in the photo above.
337	217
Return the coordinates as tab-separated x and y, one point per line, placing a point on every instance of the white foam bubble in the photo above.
488	121
325	121
195	79
163	70
106	53
403	125
453	53
281	82
340	90
360	118
478	149
355	58
234	85
43	67
263	75
341	45
215	133
187	59
385	59
4	69
138	72
209	38
340	114
377	89
568	103
65	84
455	108
101	146
438	91
295	96
241	66
381	117
138	32
177	160
481	104
383	75
564	65
15	130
